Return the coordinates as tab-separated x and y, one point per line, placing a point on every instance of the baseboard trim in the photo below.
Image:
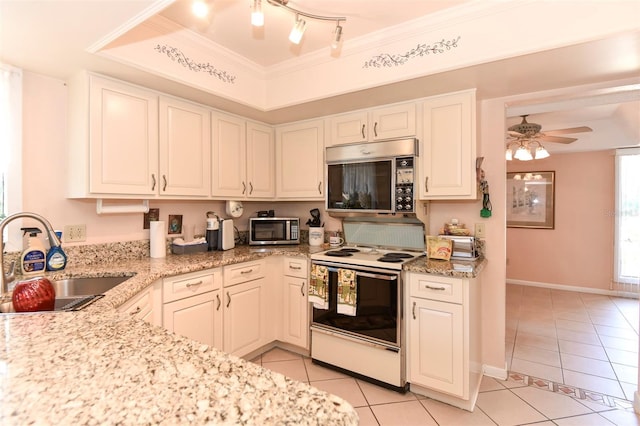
496	372
564	287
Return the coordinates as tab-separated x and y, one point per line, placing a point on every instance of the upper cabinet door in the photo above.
448	154
300	161
123	139
229	153
261	157
396	121
185	147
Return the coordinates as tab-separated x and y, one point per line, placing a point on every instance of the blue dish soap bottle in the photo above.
56	257
33	259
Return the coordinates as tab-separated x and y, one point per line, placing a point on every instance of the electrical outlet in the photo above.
75	233
480	232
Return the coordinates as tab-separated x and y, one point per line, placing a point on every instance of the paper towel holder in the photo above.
121	208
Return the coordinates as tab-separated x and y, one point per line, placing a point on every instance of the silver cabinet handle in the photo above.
435	288
426	184
153	182
247	271
228	299
363	136
375	129
320	187
250	188
302	289
193	284
244	187
219	302
414	310
164	180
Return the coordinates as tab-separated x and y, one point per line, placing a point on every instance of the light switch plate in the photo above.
479	230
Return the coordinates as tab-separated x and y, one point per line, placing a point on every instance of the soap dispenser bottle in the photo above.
33	259
56	258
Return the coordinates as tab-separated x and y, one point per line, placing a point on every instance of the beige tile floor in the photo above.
510	402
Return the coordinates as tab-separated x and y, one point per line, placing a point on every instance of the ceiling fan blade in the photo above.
557	139
514	134
581	129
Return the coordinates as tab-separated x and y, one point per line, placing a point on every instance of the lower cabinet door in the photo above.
197	317
295	328
436	354
243	317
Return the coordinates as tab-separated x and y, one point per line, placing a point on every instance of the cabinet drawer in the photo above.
295	267
436	288
243	272
186	285
139	306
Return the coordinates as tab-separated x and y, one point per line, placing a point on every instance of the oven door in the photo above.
378	308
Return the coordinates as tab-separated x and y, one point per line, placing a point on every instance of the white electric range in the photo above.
366	342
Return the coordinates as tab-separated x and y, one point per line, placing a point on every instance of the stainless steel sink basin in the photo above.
74	294
86	286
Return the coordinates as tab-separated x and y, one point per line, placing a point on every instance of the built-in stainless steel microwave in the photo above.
374	177
274	230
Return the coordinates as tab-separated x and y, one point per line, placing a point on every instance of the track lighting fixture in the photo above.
298	30
257	17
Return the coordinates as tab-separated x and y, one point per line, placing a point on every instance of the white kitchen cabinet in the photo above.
193	306
443	357
185	148
394	121
243	158
300	161
113	148
146	305
244	307
448	147
261	159
295	312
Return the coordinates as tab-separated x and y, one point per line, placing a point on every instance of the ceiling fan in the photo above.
526	130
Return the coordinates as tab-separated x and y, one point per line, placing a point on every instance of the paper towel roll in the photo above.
157	239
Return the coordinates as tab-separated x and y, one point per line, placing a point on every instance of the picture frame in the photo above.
175	224
152	215
531	200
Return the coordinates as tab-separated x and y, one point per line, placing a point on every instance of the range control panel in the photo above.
404	185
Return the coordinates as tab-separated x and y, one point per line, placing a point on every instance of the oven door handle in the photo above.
367	274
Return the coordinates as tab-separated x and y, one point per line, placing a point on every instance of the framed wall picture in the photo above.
530	200
175	224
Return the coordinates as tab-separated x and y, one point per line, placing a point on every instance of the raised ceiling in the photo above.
54	38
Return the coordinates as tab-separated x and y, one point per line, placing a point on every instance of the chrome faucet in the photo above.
7	278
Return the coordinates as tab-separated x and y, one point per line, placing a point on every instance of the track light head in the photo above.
298	31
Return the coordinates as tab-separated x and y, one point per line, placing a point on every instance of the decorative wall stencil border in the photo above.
389	60
177	56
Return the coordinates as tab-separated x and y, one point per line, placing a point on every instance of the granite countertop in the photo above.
98	366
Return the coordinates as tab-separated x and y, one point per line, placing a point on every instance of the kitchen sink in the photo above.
73	294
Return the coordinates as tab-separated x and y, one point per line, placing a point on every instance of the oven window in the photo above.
376	314
360	186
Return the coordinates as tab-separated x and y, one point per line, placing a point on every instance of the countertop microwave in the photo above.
274	230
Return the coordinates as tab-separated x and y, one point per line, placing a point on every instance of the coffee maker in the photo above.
213	229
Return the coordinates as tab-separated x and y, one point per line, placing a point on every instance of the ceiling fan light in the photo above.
200	8
298	30
523	154
541	153
257	17
508	155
